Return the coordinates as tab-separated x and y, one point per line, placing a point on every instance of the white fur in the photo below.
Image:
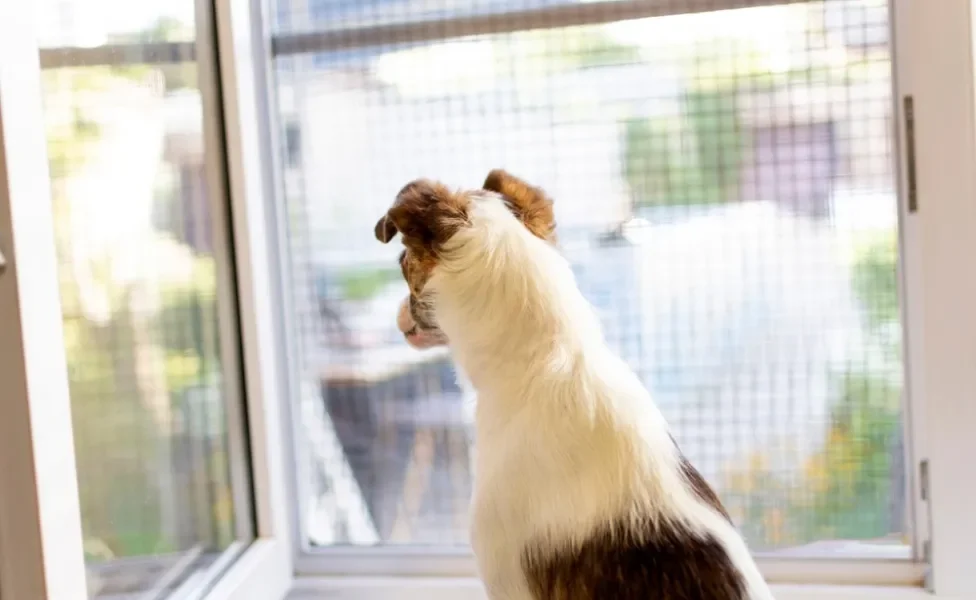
568	437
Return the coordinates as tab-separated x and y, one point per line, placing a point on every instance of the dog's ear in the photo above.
426	213
385	230
530	204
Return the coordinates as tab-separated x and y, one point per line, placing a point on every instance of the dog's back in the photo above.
596	500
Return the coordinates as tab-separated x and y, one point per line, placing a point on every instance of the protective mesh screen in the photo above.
724	191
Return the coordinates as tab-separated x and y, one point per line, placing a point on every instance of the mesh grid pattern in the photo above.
137	262
724	191
313	15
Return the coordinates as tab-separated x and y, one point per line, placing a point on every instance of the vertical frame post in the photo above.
41	545
934	45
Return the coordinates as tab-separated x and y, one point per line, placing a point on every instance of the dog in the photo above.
580	491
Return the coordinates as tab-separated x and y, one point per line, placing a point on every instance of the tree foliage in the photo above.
691	159
129	361
845	490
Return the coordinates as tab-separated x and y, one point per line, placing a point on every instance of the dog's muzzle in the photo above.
417	336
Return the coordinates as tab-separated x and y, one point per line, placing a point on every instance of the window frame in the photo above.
458	562
266	568
412	29
41	539
41	550
935	66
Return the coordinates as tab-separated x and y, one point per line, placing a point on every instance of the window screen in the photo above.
723	181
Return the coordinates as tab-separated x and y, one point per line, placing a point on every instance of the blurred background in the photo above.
724	190
152	391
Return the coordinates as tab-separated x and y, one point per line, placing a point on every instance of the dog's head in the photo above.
427	214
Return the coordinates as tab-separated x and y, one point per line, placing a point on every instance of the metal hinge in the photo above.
927	582
911	181
3	263
923	479
925	494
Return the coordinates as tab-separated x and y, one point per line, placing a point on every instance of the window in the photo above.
147	295
192	308
725	189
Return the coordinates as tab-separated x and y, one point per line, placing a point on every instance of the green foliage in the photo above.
853	501
692	159
189	304
586	48
366	283
713	116
68	128
125	366
186	328
876	281
577	48
174	76
164	29
846	489
648	161
115	439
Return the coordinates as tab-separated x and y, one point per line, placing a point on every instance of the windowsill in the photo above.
390	588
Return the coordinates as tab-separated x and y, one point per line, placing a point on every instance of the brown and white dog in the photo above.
580	491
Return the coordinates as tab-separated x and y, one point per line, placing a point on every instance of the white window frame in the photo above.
41	552
41	540
239	48
934	43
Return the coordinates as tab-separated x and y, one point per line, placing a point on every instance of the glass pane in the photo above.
139	287
724	189
93	23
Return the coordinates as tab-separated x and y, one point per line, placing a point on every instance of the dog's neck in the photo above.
510	305
531	346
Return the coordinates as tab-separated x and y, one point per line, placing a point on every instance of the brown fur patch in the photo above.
427	214
635	563
698	484
628	562
531	205
701	488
